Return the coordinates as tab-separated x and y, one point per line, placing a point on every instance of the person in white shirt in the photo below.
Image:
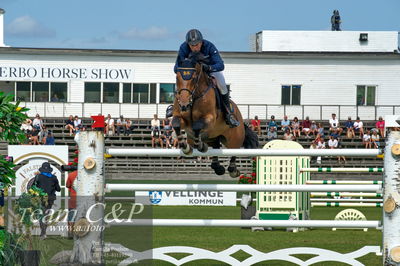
110	125
333	143
367	140
359	127
375	139
155	122
77	123
37	123
334	124
320	145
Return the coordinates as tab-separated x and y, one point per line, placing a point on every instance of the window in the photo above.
58	91
24	91
127	93
92	92
291	94
366	95
167	92
110	92
7	87
40	91
140	93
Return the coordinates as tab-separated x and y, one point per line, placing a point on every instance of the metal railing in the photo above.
263	111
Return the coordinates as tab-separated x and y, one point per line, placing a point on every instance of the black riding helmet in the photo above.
193	37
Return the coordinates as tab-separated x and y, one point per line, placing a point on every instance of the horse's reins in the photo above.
196	86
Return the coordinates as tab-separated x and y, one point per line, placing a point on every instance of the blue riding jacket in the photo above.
207	49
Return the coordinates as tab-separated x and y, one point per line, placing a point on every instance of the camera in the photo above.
68	168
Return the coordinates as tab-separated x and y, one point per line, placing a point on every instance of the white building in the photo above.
299	73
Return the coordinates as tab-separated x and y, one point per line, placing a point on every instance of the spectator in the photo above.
69	124
167	123
320	145
380	125
174	139
375	139
35	137
168	138
306	127
129	127
37	123
110	126
288	135
26	125
49	183
121	125
314	128
333	143
349	125
285	123
155	122
272	123
255	125
321	131
358	127
335	134
43	134
156	137
295	127
334	124
71	202
49	139
272	133
367	139
77	124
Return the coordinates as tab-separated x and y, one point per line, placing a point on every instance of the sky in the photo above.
162	24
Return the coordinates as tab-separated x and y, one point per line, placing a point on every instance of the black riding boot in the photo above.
229	117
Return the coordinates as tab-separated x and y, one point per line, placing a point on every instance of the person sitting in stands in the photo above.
121	125
288	135
295	125
129	127
334	124
375	139
285	123
321	131
306	127
349	125
69	124
26	125
49	140
35	137
359	127
255	125
37	122
314	128
156	137
272	134
110	126
168	138
272	123
155	122
380	125
367	139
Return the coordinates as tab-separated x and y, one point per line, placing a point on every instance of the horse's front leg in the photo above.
215	165
198	143
232	168
183	144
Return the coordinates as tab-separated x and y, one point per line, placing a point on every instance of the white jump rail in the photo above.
345	194
248	223
243	152
342	182
242	187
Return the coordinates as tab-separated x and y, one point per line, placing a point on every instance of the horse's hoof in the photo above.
203	147
235	173
187	150
220	170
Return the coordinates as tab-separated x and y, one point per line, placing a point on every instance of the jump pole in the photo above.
243	152
345	194
248	223
242	187
342	170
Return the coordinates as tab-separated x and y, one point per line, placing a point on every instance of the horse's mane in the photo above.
193	59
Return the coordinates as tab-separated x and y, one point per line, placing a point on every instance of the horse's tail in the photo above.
250	138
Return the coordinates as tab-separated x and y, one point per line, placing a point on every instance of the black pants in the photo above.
43	224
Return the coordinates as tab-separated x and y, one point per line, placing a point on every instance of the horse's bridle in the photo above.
192	96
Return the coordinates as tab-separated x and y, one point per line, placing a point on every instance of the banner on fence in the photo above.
188	198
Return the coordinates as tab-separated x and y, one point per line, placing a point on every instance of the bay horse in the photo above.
196	112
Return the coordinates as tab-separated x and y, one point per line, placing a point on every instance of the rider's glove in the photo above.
207	68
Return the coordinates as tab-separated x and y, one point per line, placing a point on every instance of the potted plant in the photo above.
248	210
9	247
28	208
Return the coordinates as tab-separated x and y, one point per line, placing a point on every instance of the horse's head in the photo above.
189	78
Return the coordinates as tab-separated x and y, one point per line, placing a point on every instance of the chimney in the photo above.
2	27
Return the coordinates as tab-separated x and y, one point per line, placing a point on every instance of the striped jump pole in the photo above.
243	152
345	204
342	170
242	187
344	200
341	182
345	194
247	223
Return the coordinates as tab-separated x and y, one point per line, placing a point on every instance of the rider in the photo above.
195	43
